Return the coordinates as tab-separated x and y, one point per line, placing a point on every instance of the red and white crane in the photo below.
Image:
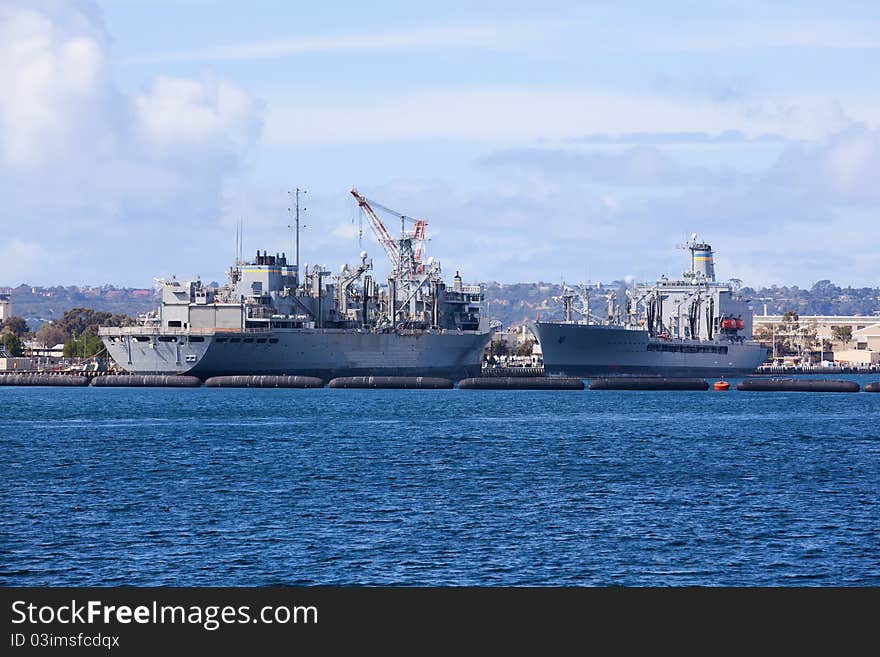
384	237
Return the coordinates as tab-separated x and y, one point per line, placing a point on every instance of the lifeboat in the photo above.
721	385
729	324
740	324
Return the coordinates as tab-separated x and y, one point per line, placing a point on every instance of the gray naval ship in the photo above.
693	326
270	318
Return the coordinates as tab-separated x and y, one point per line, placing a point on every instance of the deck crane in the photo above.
391	246
419	237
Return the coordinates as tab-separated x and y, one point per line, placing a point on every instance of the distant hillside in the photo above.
517	303
512	304
824	298
42	304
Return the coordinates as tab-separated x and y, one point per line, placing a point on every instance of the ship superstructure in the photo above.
689	326
271	318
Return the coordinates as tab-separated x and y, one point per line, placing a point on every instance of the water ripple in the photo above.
267	487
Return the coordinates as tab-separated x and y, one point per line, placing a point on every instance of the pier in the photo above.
264	381
512	371
391	382
521	383
818	369
146	381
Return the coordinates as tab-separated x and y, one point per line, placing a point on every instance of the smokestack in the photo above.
703	262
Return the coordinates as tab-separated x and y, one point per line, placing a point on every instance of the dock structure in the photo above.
521	383
146	381
264	381
43	380
512	371
392	382
797	385
648	383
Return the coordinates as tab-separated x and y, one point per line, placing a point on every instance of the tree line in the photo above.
77	330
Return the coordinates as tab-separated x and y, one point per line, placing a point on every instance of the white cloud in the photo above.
177	114
21	260
101	185
797	223
346	231
755	36
53	77
544	36
493	113
641	165
492	37
89	169
844	169
676	138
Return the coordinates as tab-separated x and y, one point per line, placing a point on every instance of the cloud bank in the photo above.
522	176
84	165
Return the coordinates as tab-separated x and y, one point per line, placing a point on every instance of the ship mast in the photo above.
296	231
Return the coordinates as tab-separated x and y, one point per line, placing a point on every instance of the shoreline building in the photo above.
863	347
5	303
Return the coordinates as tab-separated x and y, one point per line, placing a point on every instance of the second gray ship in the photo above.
691	326
272	318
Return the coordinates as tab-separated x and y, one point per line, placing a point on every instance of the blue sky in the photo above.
541	141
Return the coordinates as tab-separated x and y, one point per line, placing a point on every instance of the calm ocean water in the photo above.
452	487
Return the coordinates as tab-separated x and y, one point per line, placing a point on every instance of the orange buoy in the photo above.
721	385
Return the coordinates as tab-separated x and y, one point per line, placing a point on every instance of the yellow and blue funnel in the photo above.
701	255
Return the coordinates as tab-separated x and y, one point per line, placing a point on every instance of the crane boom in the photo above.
419	237
382	235
391	246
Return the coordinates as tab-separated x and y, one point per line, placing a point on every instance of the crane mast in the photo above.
383	236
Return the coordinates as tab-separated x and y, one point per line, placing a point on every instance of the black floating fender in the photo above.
797	385
264	381
648	383
873	387
43	380
146	381
391	382
521	383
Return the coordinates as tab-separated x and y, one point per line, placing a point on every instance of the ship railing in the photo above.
155	330
409	331
158	330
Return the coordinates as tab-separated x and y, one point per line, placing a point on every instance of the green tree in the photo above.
842	333
11	344
790	329
51	334
79	320
766	334
85	346
809	338
16	325
826	345
763	334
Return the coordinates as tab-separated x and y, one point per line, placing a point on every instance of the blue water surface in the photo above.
116	486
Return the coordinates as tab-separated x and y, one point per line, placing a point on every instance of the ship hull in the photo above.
591	350
310	352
